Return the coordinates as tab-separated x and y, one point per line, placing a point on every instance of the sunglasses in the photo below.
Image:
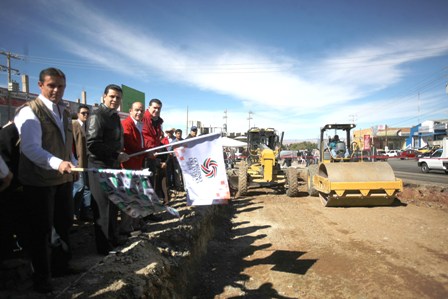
85	113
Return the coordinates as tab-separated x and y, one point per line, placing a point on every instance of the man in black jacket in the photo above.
10	199
105	150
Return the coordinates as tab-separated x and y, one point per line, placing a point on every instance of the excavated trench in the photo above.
161	261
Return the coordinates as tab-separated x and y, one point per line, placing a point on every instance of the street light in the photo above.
250	117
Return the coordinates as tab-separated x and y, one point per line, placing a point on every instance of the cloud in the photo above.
285	91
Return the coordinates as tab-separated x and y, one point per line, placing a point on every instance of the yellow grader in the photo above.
341	179
261	168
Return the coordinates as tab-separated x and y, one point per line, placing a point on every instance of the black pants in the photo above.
157	175
170	172
11	222
105	212
48	207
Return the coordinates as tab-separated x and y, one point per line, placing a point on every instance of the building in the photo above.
382	137
428	133
10	101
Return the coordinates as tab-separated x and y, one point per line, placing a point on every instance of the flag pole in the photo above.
144	172
176	143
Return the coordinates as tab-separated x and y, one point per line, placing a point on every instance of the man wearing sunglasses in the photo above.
81	191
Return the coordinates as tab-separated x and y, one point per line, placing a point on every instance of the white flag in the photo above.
202	162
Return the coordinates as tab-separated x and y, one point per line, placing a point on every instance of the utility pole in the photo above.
352	118
10	70
225	119
250	117
387	144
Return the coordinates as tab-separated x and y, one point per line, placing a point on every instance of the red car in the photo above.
409	154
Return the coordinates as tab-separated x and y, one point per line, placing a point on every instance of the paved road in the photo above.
408	171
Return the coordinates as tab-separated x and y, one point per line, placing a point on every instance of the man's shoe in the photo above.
43	286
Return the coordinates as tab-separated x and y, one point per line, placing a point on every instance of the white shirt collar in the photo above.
137	123
51	105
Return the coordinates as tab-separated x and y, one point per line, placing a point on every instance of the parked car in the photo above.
380	156
409	154
370	156
393	153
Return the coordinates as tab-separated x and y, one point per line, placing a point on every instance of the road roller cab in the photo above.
342	180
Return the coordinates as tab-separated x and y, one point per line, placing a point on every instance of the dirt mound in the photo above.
425	195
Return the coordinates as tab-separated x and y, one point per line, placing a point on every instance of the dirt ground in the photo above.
267	245
282	247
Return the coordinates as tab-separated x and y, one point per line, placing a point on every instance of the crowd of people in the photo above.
43	154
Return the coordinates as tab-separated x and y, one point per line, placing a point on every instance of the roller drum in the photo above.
357	172
357	184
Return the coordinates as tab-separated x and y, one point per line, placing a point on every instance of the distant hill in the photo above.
291	141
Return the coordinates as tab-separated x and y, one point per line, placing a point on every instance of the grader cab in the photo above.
261	168
341	179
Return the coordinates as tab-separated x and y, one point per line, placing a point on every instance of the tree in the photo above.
304	145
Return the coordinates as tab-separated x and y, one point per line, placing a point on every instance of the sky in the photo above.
292	65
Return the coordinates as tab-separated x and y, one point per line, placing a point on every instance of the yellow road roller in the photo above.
343	178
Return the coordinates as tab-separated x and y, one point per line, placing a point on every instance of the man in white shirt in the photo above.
45	172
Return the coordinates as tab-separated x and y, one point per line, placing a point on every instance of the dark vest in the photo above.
52	141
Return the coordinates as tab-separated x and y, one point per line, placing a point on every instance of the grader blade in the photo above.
356	184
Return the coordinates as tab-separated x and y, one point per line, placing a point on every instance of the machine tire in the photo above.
292	181
312	170
242	179
424	167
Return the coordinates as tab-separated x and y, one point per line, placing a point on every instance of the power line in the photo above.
253	67
426	84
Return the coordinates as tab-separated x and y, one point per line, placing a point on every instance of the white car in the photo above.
434	162
393	153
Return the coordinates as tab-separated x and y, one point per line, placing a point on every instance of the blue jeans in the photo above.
81	193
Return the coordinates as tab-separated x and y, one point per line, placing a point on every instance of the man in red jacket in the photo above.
152	137
133	143
152	124
133	138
